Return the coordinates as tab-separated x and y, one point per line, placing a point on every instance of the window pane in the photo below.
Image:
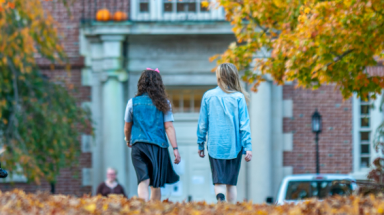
364	136
187	101
203	9
189	97
197	99
192	7
181	7
364	163
186	6
365	149
197	102
364	109
365	122
176	102
298	190
168	6
144	7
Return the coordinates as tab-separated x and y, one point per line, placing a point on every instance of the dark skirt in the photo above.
225	171
154	163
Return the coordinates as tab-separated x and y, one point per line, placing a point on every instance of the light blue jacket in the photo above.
224	117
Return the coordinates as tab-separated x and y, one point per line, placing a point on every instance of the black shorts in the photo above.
154	163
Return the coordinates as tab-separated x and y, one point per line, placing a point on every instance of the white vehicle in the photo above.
297	188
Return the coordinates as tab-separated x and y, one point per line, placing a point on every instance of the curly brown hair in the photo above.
151	82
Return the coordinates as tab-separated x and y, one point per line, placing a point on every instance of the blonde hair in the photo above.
228	79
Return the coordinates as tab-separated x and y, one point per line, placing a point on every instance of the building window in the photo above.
144	6
181	6
174	10
186	100
203	9
365	133
186	6
168	6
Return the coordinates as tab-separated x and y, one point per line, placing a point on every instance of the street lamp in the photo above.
316	128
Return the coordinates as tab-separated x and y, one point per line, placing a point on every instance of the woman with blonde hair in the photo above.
224	117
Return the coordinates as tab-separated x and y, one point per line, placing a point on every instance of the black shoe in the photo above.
220	197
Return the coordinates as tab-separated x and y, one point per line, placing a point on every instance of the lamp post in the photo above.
316	128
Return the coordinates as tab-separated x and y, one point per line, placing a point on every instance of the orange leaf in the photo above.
11	5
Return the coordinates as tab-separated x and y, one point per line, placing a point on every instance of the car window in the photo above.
299	190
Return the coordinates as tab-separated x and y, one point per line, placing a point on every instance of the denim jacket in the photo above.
147	122
224	117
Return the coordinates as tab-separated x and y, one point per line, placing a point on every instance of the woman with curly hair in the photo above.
148	119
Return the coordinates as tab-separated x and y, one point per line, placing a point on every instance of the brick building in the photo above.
178	38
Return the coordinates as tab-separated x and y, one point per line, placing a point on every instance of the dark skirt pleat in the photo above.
153	162
225	171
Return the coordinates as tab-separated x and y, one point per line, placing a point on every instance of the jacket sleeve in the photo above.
202	125
245	130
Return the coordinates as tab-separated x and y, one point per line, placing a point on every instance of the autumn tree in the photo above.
312	42
40	122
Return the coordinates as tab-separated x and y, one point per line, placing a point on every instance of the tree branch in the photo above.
338	57
377	11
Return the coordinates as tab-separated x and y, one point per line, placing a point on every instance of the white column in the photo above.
114	147
277	138
356	133
260	168
96	54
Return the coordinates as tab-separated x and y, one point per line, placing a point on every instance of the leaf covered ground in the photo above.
18	202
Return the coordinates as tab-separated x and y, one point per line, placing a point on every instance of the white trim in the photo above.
288	108
288	141
156	12
86	176
86	143
375	119
287	170
86	77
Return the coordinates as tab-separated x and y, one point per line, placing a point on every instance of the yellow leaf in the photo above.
348	3
91	208
279	3
380	210
105	207
205	4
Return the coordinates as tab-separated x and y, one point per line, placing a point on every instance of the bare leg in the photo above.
143	190
231	193
220	189
155	194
